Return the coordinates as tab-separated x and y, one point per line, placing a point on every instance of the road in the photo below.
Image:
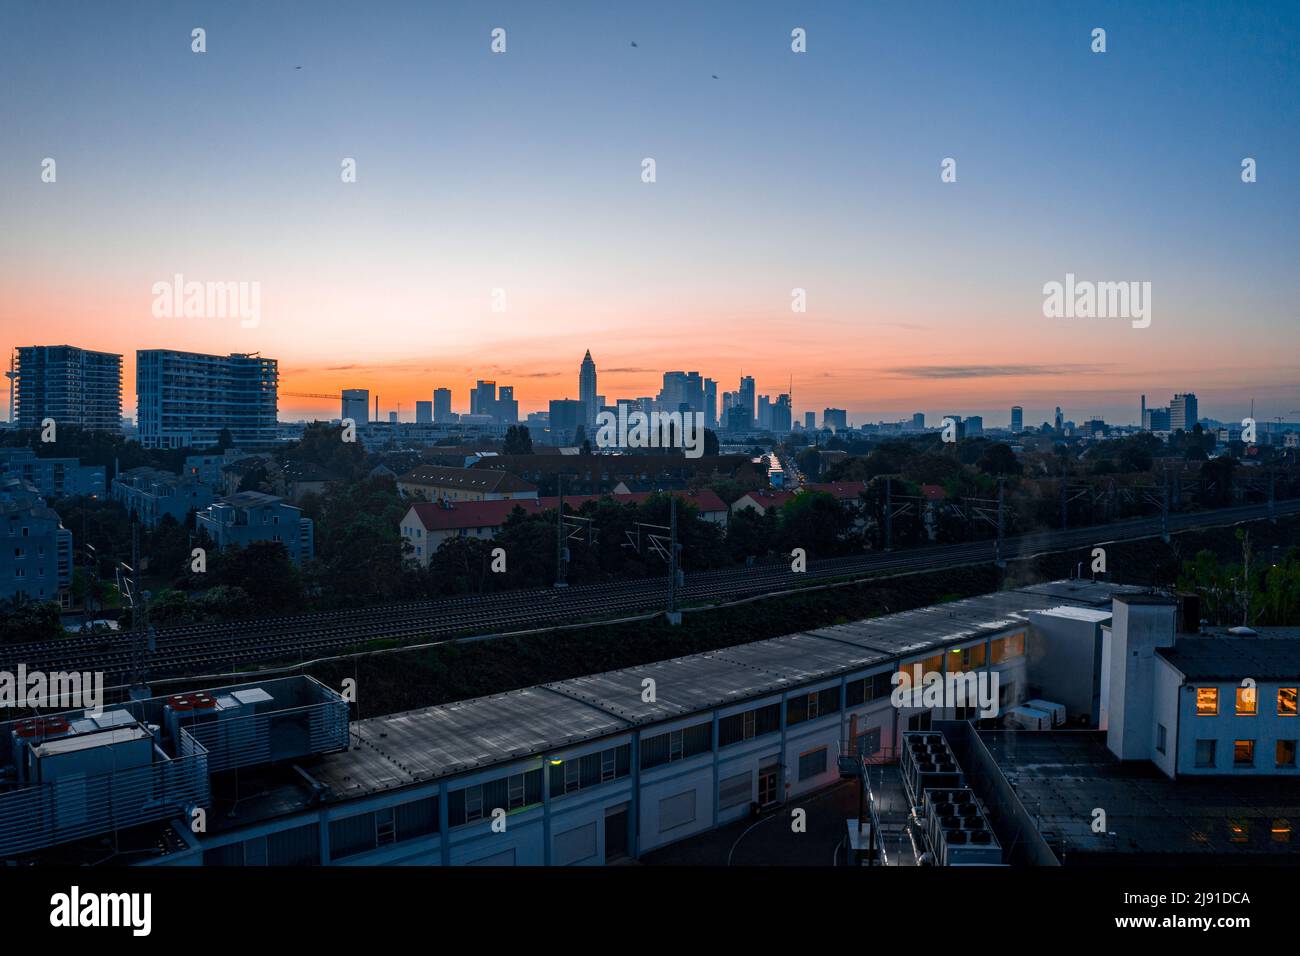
213	648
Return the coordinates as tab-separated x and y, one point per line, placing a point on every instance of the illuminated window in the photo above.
1243	753
1207	701
1285	753
1281	831
1246	701
1286	701
1005	648
966	658
1238	831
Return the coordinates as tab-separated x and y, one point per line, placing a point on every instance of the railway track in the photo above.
206	647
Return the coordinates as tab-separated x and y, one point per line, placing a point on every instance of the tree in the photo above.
999	459
518	441
265	573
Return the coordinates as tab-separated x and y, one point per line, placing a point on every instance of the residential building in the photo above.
424	413
186	398
427	524
70	385
36	553
442	413
252	516
1017	419
151	494
1183	413
53	478
432	483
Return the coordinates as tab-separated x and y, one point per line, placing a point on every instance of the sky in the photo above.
522	172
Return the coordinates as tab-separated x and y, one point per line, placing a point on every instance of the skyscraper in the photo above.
442	405
356	404
70	385
918	421
746	396
710	403
587	389
185	399
424	413
1017	419
782	414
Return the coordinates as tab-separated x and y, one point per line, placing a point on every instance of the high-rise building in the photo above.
764	420
507	408
782	414
836	419
566	416
424	413
710	403
1017	419
974	425
1183	413
587	389
1059	421
483	400
746	393
810	421
442	405
918	421
70	385
185	399
356	404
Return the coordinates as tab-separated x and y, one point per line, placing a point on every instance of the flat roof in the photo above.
1091	614
1265	656
446	739
1062	776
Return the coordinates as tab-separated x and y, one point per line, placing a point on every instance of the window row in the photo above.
590	770
514	792
1247	703
1243	753
676	745
369	831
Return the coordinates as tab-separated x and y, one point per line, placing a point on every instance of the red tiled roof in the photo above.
469	514
934	492
842	490
707	501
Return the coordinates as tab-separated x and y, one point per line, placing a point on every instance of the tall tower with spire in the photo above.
587	389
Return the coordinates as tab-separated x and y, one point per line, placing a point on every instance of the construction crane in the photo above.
337	396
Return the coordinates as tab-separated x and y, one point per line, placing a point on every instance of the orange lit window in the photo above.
1281	831
1005	648
1238	831
1207	701
1246	701
1286	701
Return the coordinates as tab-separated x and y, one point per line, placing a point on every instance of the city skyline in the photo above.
389	283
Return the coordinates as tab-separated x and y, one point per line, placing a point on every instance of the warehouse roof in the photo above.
433	742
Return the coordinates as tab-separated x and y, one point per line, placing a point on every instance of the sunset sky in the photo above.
522	171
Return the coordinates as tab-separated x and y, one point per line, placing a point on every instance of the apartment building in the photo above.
251	516
70	385
36	554
152	494
53	478
185	399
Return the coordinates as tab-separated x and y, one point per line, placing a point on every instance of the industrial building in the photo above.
596	768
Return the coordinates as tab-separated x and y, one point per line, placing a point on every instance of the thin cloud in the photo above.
988	371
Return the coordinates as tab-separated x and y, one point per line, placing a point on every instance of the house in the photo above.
707	503
250	516
434	483
427	524
298	478
761	501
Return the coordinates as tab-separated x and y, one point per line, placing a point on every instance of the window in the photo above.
1285	754
966	658
750	724
1286	700
1006	648
812	763
868	689
737	790
1205	753
1243	753
1160	738
1281	831
663	748
1207	701
811	706
511	792
1246	702
1238	831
